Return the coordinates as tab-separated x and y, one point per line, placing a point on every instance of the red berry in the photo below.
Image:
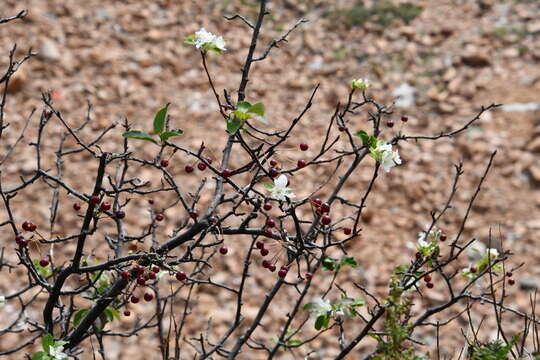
223	250
404	118
443	237
181	276
509	274
47	114
284	267
418	255
44	262
267	206
266	264
151	201
473	269
226	173
427	278
511	281
76	206
325	208
259	244
151	275
155	269
326	220
119	214
429	285
148	296
194	214
268	232
125	275
19	239
188	168
133	246
212	220
94	199
139	270
282	273
27	225
164	163
23	243
390	123
134	299
301	163
273	162
33	227
201	166
141	281
317	202
270	223
347	230
159	217
272	267
342	128
127	313
273	172
209	160
304	147
105	206
309	276
264	251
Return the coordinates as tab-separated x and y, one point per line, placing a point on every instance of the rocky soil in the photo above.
128	59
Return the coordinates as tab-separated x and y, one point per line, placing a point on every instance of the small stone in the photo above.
476	59
49	50
534	146
534	170
528	284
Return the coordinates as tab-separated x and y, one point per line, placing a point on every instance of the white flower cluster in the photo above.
56	352
279	190
361	84
384	154
205	39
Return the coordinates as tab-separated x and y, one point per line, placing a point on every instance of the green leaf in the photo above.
233	125
348	261
358	302
329	264
139	135
268	186
112	314
40	356
241	114
46	342
258	109
364	136
159	119
243	106
294	342
322	321
308	307
79	315
190	40
164	136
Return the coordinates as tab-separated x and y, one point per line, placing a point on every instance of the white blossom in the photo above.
320	307
492	253
384	154
205	39
280	191
219	43
361	83
2	300
57	352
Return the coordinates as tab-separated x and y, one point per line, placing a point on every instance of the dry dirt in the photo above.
128	59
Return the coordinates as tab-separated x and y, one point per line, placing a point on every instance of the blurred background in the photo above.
439	61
